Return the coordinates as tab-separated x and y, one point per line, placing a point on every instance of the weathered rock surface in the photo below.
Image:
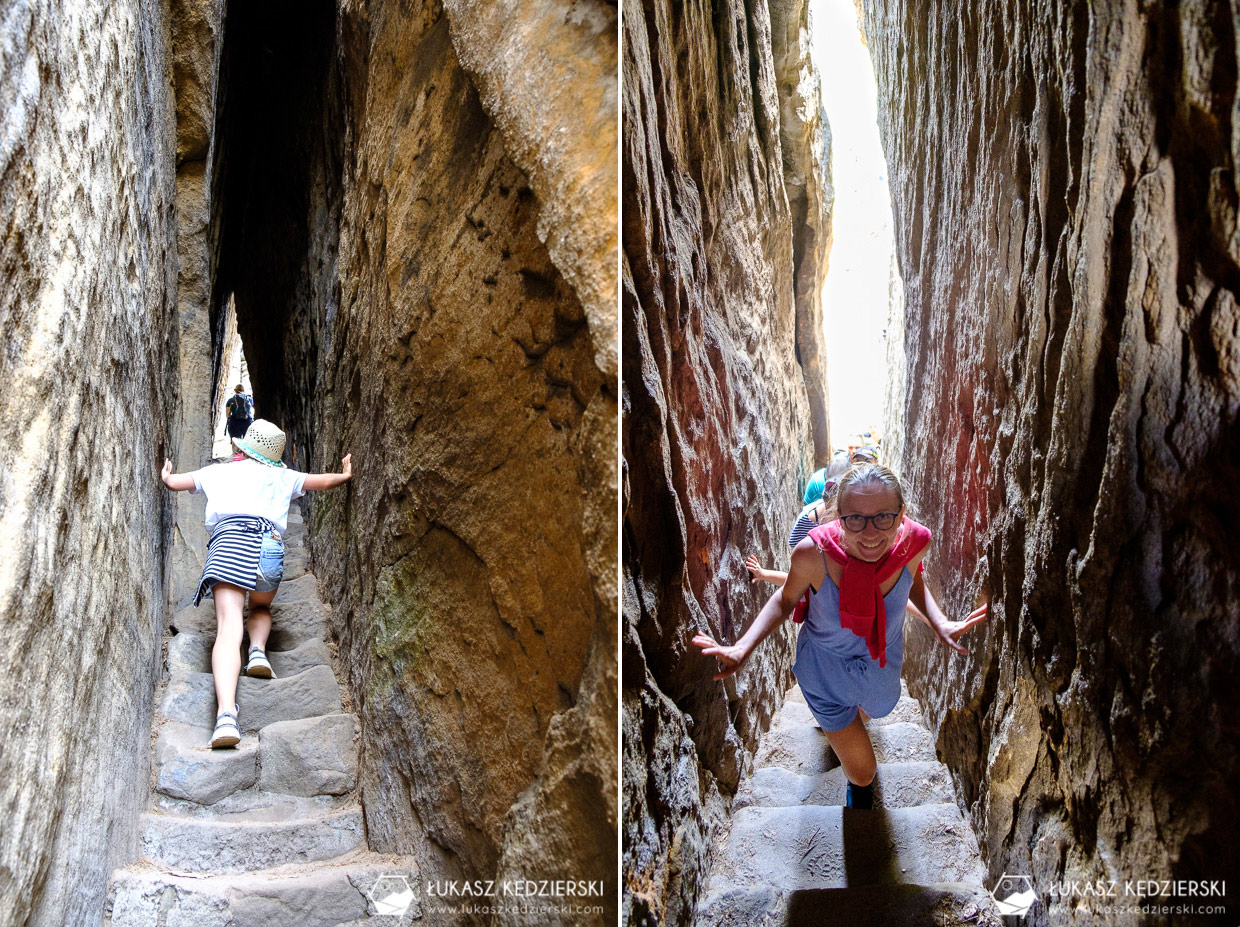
805	141
195	32
547	76
1064	180
725	231
88	347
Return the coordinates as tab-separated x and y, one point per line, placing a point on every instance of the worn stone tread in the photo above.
302	589
797	713
804	749
187	767
828	846
310	756
253	804
942	904
330	893
208	845
897	785
314	691
191	653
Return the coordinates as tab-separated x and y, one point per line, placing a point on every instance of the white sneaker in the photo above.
258	665
227	731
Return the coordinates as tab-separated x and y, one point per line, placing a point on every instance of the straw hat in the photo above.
264	442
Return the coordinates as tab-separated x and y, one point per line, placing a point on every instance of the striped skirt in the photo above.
232	553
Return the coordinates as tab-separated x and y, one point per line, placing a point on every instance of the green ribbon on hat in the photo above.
241	442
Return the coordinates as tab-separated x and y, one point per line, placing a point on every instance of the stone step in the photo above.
797	713
186	767
804	749
191	698
191	653
296	564
310	756
302	589
932	905
827	846
326	894
293	621
252	804
897	785
222	846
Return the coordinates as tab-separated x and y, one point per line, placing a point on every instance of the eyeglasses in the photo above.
882	521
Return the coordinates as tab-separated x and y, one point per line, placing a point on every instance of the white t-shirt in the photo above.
247	487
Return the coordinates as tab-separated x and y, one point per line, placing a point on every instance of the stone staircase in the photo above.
269	833
795	856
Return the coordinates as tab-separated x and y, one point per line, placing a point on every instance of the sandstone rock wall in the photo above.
1064	178
547	76
196	32
805	143
398	302
89	362
725	228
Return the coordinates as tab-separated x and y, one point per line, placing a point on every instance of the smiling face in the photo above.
872	498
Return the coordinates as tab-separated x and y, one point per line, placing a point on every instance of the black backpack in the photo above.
239	407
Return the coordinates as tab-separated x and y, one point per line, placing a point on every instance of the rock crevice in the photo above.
398	302
725	230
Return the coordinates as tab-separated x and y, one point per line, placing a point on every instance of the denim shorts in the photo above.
270	562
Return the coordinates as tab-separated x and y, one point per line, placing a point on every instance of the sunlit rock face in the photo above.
725	229
87	312
1064	182
196	33
404	308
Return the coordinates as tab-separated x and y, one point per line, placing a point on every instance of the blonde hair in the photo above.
866	475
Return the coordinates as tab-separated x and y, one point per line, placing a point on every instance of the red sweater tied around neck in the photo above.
862	609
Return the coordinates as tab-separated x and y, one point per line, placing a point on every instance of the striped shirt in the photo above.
807	520
799	530
232	553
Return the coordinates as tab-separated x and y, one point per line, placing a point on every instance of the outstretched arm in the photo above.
778	607
758	573
330	480
177	482
949	632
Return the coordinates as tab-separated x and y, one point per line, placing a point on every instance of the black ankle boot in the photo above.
860	797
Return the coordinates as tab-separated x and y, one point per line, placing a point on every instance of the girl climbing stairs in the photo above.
270	833
796	856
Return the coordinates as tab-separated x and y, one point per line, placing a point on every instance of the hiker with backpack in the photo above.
850	581
239	411
247	513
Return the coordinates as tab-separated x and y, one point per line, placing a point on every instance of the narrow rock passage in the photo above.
271	832
796	856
